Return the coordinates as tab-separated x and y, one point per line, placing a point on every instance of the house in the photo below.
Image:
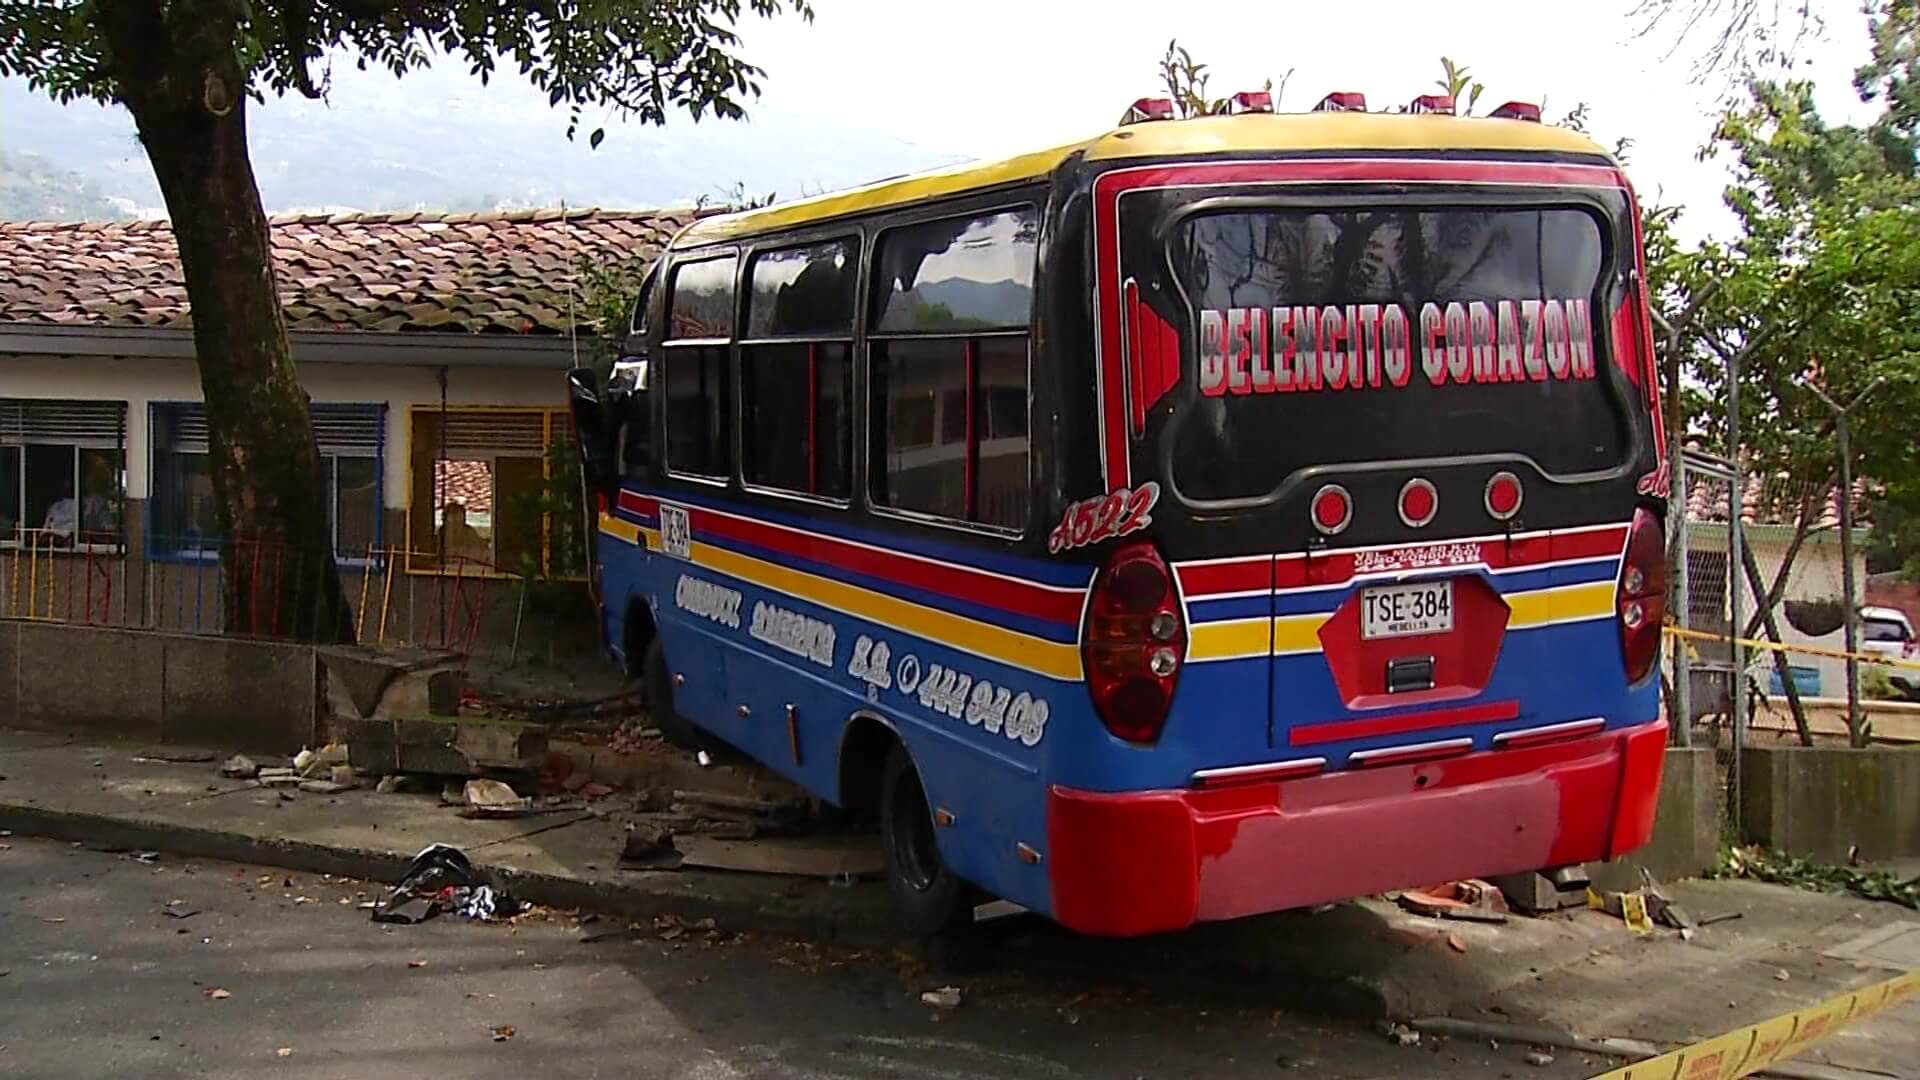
1769	507
433	348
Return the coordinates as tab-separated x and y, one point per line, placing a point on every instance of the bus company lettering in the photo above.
793	632
708	600
1281	350
1021	717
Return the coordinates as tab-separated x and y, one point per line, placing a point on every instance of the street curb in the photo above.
810	910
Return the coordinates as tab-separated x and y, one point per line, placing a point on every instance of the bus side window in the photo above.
952	303
796	370
694	357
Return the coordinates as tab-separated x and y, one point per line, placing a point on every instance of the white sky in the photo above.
995	77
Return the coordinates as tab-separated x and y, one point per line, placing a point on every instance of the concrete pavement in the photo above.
97	981
1580	971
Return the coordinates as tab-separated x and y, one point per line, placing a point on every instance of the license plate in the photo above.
1406	610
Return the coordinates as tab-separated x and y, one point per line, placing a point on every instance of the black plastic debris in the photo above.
442	879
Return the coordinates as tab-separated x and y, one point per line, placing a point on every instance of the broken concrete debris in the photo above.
240	767
491	798
946	997
1471	900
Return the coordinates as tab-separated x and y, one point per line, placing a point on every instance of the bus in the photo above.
1218	516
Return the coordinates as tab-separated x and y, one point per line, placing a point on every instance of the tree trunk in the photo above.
188	99
1780	662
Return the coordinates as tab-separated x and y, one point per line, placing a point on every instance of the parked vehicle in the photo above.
1887	632
1217	516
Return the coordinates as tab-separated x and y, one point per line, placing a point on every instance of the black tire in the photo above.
929	898
657	681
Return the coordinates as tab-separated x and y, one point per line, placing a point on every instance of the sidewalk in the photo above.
1579	971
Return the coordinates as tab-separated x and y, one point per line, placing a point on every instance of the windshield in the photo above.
1336	337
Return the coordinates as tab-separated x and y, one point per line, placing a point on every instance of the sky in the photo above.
995	77
873	88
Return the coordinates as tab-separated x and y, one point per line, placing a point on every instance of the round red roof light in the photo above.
1332	509
1418	503
1503	495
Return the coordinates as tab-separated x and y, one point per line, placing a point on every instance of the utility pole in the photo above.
1842	425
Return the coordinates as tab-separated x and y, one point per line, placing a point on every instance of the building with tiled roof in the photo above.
433	347
514	272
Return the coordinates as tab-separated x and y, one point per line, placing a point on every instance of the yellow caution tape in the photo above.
1757	1046
1774	646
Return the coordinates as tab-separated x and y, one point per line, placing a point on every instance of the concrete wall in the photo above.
162	688
1686	827
1819	802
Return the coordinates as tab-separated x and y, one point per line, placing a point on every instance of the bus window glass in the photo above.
797	427
957	275
1439	332
940	456
701	305
700	308
804	291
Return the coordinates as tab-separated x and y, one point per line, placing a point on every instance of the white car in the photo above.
1888	632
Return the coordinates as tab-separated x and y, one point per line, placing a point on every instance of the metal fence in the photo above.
194	585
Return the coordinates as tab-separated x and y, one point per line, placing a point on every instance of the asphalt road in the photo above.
272	974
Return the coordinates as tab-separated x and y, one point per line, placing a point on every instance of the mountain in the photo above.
438	140
34	189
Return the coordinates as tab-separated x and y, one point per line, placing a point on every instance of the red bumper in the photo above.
1149	861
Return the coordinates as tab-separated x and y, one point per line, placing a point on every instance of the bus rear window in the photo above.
1337	337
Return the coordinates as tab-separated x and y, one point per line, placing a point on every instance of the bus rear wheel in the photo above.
930	899
657	683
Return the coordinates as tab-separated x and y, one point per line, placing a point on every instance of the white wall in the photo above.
140	382
1817	574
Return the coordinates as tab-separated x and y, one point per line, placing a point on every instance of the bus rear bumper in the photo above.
1143	862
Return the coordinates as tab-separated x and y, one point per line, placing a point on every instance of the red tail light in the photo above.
1643	594
1135	643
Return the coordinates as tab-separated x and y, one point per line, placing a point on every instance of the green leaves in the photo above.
1779	868
641	59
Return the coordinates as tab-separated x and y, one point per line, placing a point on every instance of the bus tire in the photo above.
929	898
657	683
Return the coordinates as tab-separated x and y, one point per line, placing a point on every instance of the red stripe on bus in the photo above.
1212	579
1402	723
993	590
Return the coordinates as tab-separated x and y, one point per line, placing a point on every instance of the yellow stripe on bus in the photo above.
620	527
1568	603
1038	655
1287	635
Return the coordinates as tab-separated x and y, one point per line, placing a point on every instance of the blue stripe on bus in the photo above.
1046	571
1066	633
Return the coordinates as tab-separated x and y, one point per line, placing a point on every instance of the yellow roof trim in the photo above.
1247	134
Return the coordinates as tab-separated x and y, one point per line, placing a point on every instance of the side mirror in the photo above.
627	394
595	425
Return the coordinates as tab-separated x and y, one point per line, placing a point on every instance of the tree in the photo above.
1819	288
1735	37
188	70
